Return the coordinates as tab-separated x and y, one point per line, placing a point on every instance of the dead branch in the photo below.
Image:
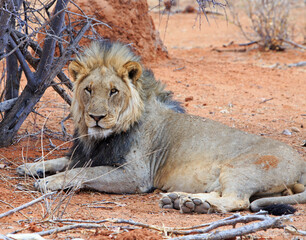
5	237
299	64
69	227
61	92
266	100
266	223
27	71
294	231
114	220
293	43
64	131
26	205
6	105
78	225
34	61
35	23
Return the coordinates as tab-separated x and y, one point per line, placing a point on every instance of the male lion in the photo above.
131	137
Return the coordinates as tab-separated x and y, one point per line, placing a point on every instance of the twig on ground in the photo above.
5	237
230	50
266	100
74	226
26	205
248	44
299	64
178	69
293	43
266	223
294	231
102	202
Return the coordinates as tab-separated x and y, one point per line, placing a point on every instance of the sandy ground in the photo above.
241	87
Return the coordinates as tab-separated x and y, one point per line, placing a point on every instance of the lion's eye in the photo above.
88	89
113	91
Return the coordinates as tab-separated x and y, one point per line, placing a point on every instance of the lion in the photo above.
132	137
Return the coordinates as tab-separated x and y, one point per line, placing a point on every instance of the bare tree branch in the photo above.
7	105
49	45
4	27
27	71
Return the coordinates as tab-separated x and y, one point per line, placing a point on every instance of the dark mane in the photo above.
110	151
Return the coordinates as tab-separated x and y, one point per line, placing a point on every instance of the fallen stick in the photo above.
266	100
114	220
233	220
69	227
26	205
299	64
266	222
231	233
293	43
294	231
5	237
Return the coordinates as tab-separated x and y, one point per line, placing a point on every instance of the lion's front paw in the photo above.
197	205
51	183
31	169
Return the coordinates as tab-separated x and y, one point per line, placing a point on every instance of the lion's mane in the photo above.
112	56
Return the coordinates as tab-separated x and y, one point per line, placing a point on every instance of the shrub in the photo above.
269	22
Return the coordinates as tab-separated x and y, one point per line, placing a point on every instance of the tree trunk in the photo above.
37	82
15	117
12	74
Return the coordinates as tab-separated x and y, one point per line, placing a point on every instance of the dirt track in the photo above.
248	89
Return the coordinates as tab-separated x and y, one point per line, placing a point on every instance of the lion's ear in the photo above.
75	69
134	70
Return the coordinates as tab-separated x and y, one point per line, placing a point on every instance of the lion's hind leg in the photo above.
42	168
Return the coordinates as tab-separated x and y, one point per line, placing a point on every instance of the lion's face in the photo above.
106	100
105	97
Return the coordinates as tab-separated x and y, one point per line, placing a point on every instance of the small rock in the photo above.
224	111
287	132
188	99
189	9
295	129
2	165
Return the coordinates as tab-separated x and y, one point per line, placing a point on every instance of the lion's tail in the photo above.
279	205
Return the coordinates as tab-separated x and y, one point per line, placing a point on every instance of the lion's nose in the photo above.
97	118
